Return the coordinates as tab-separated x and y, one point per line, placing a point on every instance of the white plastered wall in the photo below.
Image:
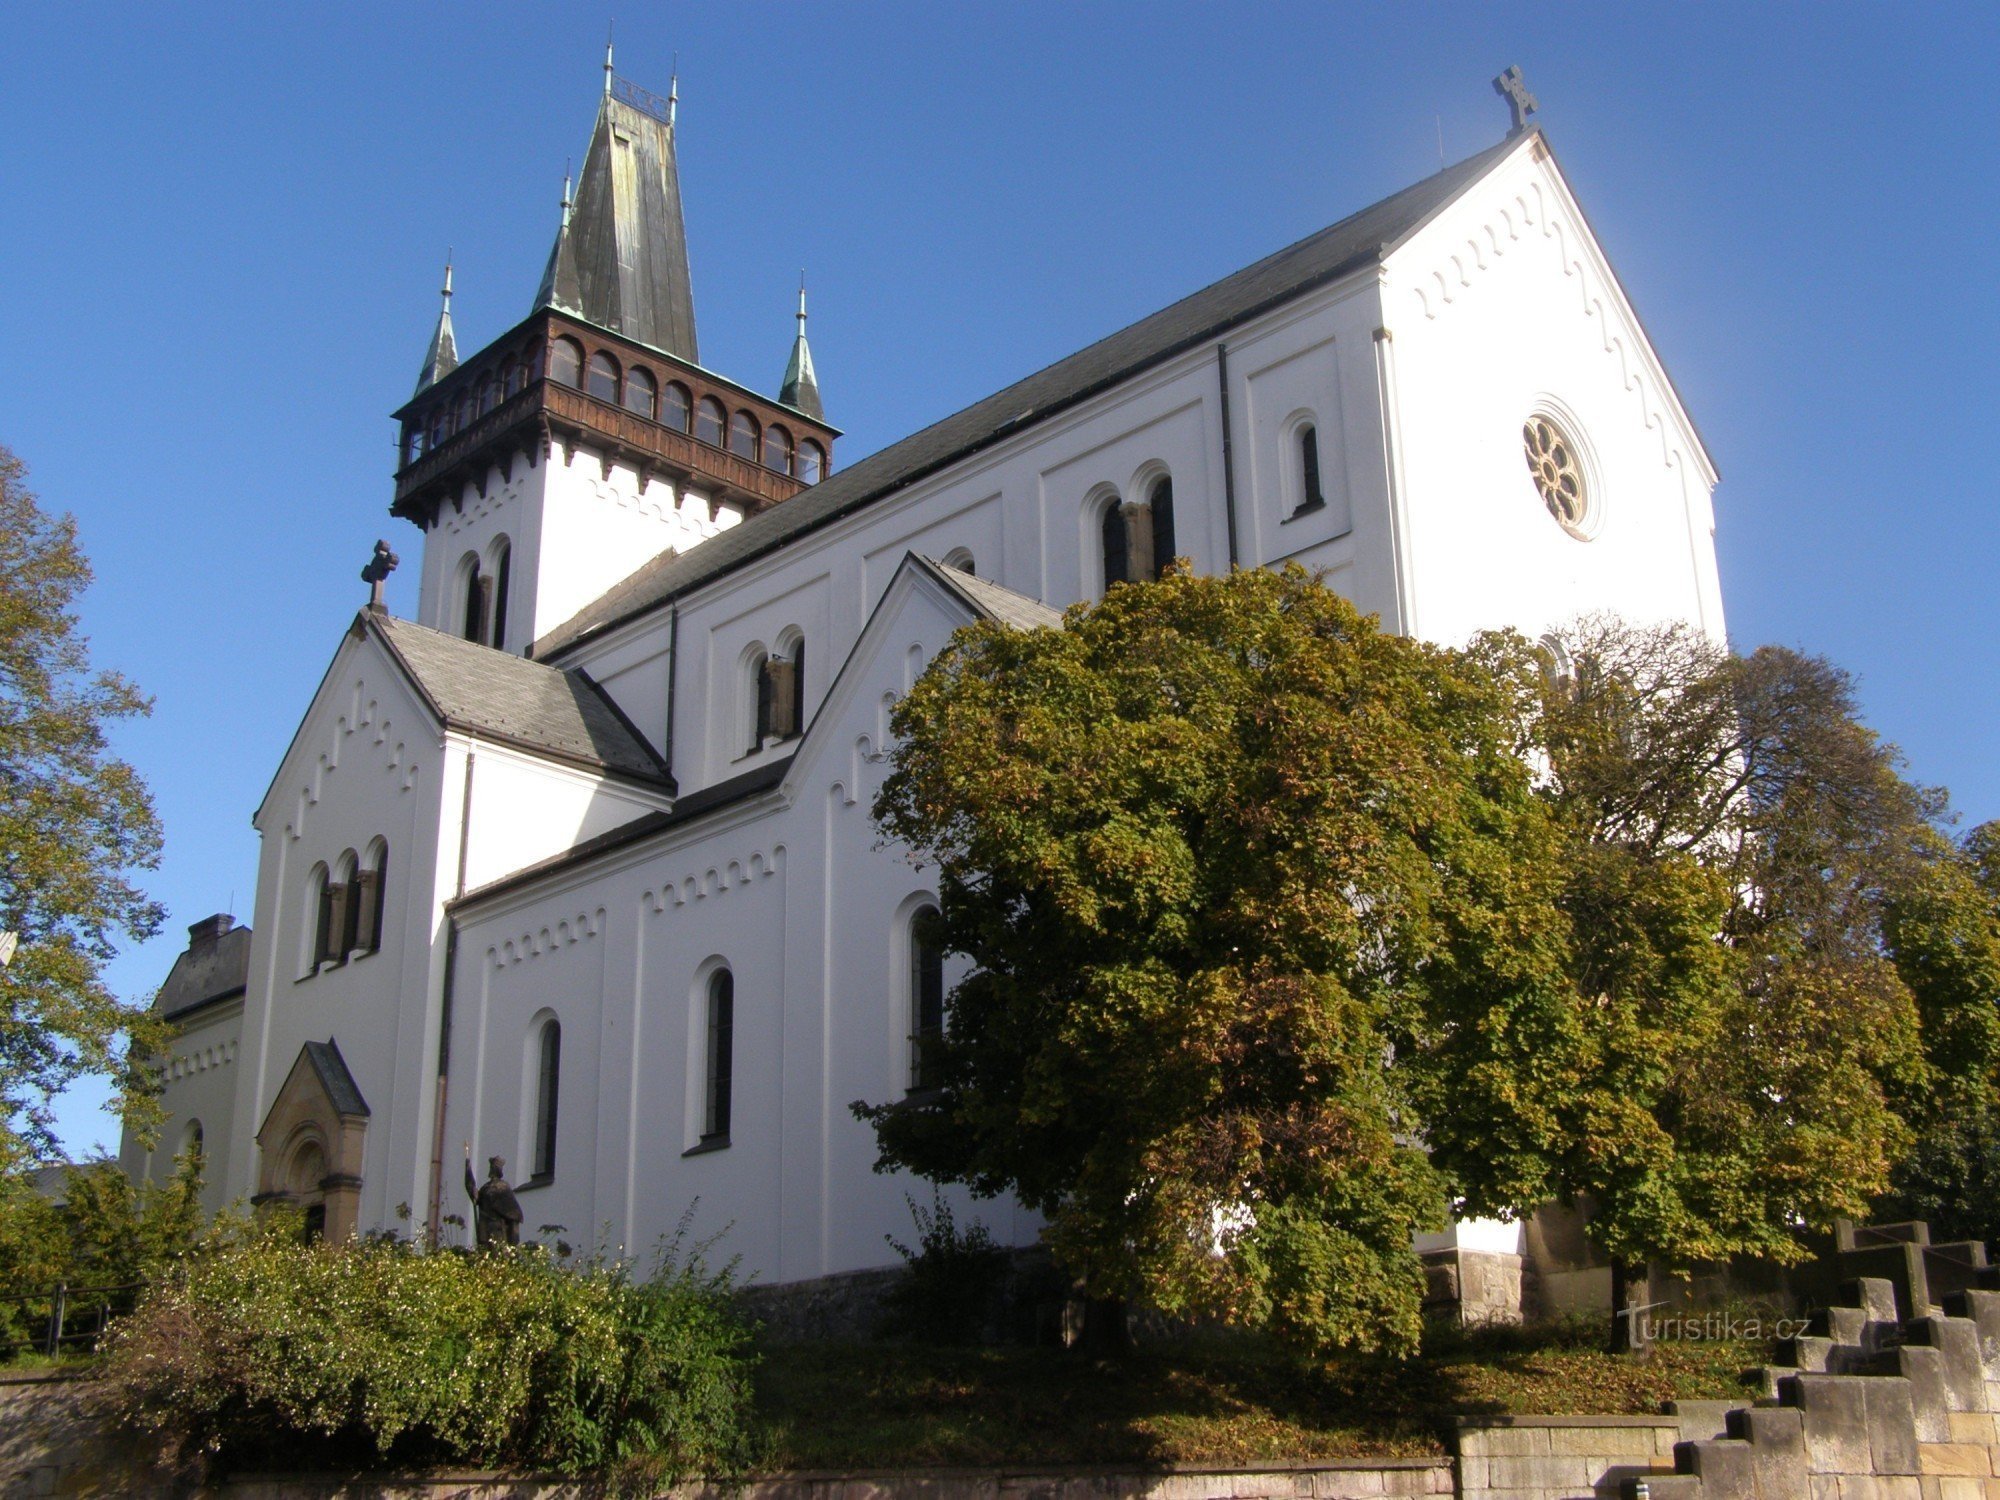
198	1080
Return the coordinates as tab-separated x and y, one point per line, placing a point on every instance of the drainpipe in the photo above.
1228	452
434	1220
673	675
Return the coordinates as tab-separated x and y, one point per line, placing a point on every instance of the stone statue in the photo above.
496	1213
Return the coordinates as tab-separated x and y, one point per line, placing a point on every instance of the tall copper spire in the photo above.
620	259
801	388
442	356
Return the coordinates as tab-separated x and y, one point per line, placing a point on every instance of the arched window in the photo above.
604	377
1112	530
191	1145
413	444
798	685
489	395
465	413
708	421
679	408
515	377
926	1000
370	882
777	449
318	918
1311	495
566	362
759	685
548	1075
503	566
961	559
720	1059
344	917
440	426
1161	502
642	393
743	436
812	461
472	605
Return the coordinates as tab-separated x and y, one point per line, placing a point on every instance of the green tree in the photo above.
1746	1048
1210	848
75	822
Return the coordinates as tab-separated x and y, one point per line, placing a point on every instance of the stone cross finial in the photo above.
1520	102
376	573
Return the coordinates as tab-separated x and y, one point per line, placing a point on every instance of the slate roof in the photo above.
548	710
215	966
1358	240
620	258
334	1078
989	600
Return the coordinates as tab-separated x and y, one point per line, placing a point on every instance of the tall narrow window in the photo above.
503	563
191	1144
604	377
641	393
1113	528
348	873
566	362
1312	497
335	899
798	725
777	449
517	378
678	410
743	436
721	1044
708	421
548	1074
319	917
926	1000
760	699
1161	503
367	898
472	621
812	461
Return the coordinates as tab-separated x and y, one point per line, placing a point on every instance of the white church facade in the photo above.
577	867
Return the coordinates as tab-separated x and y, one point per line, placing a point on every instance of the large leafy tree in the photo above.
1747	1049
1210	848
75	823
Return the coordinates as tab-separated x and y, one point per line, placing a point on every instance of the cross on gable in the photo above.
1520	102
376	573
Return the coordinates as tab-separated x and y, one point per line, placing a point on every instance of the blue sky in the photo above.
223	232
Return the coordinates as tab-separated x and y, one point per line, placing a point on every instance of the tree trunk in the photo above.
1631	1294
1106	1332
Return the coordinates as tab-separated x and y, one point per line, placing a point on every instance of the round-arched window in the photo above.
641	393
743	435
515	377
1557	469
708	421
604	377
812	462
678	410
777	449
566	363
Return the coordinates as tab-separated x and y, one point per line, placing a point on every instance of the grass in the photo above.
1208	1401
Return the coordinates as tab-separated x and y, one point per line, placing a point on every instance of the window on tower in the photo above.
604	377
1112	533
566	362
721	1059
1311	495
812	461
642	393
777	449
515	377
708	422
1161	503
743	436
678	410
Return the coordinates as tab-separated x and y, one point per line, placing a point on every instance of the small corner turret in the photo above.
442	356
800	390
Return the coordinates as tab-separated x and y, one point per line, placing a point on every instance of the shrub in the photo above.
952	1280
378	1352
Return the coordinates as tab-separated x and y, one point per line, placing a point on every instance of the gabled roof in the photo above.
620	259
214	966
990	601
1359	240
331	1070
544	709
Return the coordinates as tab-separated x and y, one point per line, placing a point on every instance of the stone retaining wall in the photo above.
1559	1458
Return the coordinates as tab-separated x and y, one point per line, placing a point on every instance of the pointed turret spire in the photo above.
620	258
442	356
801	388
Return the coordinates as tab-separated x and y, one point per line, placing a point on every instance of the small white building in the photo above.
577	867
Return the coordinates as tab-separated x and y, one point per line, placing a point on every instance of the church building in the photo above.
576	867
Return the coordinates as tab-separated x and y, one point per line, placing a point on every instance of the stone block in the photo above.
1834	1412
1825	1486
1983	1308
1956	1487
1567	1475
1502	1442
1930	1405
1971	1427
1702	1419
1963	1459
1726	1467
1608	1442
1893	1429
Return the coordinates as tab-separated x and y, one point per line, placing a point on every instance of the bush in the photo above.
376	1352
952	1280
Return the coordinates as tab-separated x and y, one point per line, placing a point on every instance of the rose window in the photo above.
1551	456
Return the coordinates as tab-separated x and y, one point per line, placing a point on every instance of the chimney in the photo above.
208	931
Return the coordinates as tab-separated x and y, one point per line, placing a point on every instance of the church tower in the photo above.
588	439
